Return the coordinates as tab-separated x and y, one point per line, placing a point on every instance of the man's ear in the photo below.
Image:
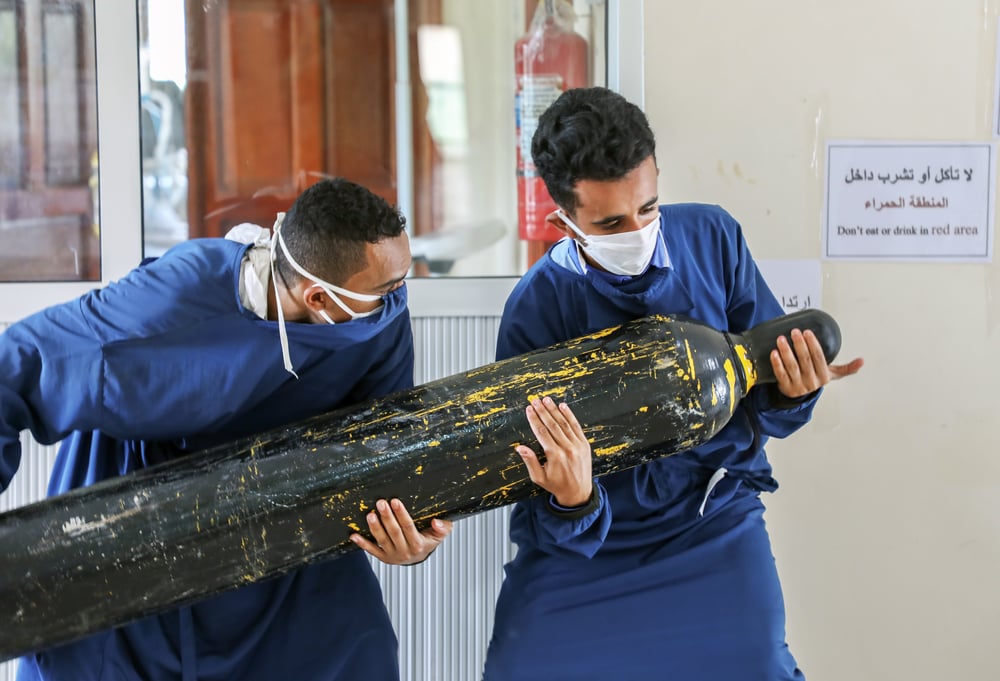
557	222
313	297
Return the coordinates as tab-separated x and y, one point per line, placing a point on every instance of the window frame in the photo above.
117	62
118	113
485	296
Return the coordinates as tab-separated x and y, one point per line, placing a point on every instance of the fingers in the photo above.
369	547
575	428
538	427
535	470
781	358
397	522
439	529
376	526
842	370
396	537
567	472
785	354
547	419
816	360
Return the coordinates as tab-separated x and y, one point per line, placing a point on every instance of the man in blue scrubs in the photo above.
663	571
215	340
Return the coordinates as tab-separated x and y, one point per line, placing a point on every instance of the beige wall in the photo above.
887	526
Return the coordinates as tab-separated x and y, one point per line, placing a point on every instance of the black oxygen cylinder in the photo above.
150	541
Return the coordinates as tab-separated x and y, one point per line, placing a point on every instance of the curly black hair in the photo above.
589	134
327	227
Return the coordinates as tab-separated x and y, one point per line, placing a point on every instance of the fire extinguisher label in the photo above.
534	96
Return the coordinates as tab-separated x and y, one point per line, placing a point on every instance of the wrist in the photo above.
574	512
573	502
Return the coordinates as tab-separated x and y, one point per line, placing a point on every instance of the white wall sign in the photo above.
920	201
797	284
996	86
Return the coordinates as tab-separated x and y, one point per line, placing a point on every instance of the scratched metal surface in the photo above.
242	512
127	547
442	610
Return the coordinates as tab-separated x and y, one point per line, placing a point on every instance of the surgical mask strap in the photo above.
572	225
343	306
331	290
277	240
364	297
282	333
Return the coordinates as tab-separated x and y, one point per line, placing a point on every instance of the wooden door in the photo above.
283	92
48	142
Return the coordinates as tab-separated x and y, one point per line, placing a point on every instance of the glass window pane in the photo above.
244	105
62	106
48	142
11	152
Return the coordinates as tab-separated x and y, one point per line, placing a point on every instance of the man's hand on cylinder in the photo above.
800	366
397	539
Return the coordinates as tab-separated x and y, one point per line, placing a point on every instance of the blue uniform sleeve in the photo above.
751	302
524	327
43	358
582	536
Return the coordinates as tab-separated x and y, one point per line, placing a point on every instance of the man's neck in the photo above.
291	306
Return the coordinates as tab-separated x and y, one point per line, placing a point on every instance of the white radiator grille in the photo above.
443	609
28	485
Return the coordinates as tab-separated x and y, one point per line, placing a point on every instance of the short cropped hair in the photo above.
589	134
327	227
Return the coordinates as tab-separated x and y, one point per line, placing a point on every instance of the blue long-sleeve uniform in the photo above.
167	361
672	577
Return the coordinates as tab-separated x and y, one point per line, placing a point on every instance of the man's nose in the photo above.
633	223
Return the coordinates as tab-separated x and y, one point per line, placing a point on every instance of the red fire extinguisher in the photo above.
548	59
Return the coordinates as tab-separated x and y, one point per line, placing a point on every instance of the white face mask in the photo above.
330	289
626	253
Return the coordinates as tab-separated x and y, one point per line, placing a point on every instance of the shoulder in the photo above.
541	308
191	282
698	217
195	262
701	230
210	254
543	279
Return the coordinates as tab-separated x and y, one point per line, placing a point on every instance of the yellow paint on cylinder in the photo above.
691	369
731	379
479	417
749	370
610	450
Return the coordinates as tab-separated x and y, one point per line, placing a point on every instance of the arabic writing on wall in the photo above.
927	200
797	284
942	174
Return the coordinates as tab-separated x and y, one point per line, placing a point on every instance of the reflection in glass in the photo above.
246	104
62	125
48	142
164	151
11	152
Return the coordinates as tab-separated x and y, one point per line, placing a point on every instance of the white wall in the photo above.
886	528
